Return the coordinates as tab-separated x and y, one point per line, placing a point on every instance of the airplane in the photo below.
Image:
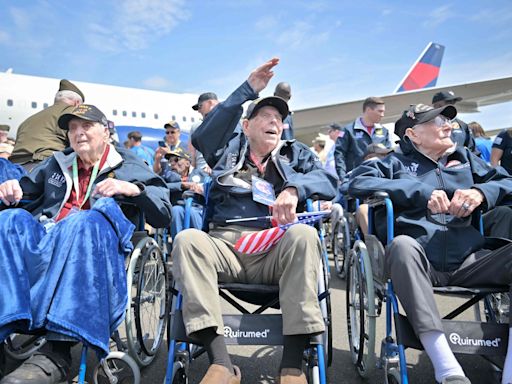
418	86
147	111
130	109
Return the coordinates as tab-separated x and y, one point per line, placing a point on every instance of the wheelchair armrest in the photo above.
377	199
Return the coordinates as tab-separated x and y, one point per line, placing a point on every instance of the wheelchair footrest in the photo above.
466	337
245	329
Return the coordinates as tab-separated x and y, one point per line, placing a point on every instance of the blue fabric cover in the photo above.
9	171
71	280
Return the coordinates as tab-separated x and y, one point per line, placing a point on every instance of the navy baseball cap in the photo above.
204	97
273	101
421	113
85	112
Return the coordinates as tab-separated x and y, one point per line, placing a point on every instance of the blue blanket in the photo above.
71	280
10	171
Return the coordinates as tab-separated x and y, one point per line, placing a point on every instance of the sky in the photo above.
330	51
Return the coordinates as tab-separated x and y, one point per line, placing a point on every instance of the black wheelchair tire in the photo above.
152	254
361	314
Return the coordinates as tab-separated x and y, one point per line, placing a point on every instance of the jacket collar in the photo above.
65	160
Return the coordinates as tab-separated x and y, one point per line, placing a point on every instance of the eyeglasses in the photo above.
438	121
171	132
199	106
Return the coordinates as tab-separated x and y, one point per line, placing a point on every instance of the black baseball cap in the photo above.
445	96
204	97
273	101
421	113
85	112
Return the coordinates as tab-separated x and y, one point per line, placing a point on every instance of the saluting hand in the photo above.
10	192
110	187
259	78
284	208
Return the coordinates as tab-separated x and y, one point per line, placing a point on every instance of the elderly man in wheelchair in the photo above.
63	243
435	188
247	168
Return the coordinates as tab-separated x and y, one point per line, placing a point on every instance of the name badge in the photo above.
262	191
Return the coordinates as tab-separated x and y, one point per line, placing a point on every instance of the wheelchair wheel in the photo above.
361	313
151	300
340	245
117	368
134	269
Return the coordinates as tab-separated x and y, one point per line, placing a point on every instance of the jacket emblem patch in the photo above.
412	168
57	179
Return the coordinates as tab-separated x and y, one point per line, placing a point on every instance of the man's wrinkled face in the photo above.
265	128
87	137
434	135
179	165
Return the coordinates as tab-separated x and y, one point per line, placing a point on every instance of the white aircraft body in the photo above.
147	111
21	96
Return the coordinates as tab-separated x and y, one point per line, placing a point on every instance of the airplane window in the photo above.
10	103
45	105
134	114
34	104
143	115
192	119
124	113
156	115
114	112
184	118
173	117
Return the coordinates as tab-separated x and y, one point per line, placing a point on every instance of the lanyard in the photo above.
76	183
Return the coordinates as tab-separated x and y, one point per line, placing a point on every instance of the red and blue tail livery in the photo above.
425	71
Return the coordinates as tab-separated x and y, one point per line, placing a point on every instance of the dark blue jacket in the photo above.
350	147
410	178
292	164
288	128
49	186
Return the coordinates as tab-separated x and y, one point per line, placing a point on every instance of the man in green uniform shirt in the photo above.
39	136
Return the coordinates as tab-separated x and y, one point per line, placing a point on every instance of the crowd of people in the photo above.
64	188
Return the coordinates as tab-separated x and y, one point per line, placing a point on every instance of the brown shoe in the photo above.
291	376
218	374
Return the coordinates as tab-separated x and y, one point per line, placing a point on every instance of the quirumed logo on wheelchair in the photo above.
456	339
229	332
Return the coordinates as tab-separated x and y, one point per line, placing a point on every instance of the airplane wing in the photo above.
308	122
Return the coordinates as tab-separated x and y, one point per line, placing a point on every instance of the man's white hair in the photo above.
68	97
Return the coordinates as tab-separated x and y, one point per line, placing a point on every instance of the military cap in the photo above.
179	152
83	111
66	85
419	114
273	101
4	128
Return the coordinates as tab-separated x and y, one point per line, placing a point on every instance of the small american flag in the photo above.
262	241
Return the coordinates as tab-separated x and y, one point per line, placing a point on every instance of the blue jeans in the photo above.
178	218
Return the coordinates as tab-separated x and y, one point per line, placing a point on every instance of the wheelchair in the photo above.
367	291
343	232
144	324
251	327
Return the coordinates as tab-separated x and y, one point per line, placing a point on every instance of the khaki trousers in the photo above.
201	260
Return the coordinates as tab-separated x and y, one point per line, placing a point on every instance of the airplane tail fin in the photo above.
425	71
